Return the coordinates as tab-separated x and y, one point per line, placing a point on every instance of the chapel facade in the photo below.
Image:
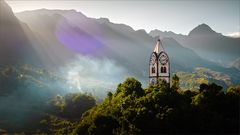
159	65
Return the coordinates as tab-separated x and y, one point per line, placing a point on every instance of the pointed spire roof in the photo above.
157	47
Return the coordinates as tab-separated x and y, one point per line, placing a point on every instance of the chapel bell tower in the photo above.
159	66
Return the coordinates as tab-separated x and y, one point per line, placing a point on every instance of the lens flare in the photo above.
76	39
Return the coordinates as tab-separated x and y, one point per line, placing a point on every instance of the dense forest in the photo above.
160	109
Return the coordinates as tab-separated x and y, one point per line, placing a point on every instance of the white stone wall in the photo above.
164	67
160	64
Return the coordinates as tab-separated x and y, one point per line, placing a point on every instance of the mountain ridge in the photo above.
119	38
202	30
207	43
61	35
15	43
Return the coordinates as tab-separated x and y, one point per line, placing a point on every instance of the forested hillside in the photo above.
132	109
163	109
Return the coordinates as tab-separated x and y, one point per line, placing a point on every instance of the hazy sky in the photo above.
179	16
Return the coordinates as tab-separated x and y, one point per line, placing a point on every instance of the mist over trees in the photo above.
131	109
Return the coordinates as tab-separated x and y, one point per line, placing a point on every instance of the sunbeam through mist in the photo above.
94	75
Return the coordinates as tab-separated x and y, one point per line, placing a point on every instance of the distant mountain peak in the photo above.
53	11
103	20
141	32
49	10
202	29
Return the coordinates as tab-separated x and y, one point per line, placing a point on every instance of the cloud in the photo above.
234	35
94	75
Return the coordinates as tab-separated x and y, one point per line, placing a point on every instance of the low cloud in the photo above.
94	75
234	35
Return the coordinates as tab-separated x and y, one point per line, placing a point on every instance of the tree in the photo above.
234	90
103	125
131	86
203	86
72	105
175	82
162	110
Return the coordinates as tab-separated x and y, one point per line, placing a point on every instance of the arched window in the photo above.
162	70
165	70
153	70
